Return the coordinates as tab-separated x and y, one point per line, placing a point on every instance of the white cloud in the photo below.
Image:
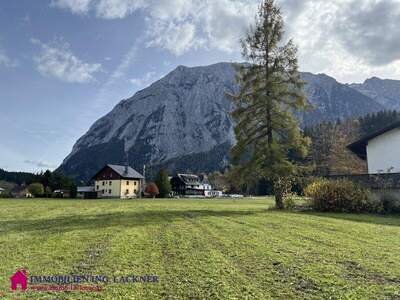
349	39
56	60
178	25
225	22
40	164
176	38
145	81
7	61
345	38
107	9
115	9
76	6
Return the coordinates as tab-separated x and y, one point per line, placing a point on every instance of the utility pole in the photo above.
144	180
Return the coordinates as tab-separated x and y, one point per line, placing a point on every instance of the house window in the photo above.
104	183
109	191
134	190
127	183
110	182
97	187
135	183
127	192
102	191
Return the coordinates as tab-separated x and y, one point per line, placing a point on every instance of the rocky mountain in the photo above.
182	122
333	100
383	91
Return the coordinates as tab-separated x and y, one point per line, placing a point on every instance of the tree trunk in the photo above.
269	125
279	201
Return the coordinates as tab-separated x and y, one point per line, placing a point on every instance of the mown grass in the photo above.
200	249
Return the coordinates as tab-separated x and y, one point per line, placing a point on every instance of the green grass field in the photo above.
200	249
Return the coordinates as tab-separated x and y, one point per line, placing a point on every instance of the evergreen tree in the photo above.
376	121
268	135
163	184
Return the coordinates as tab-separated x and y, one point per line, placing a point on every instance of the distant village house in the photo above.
115	181
193	185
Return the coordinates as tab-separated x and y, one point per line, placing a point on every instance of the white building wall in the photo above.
383	153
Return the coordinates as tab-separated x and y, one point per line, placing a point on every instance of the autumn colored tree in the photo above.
329	154
152	189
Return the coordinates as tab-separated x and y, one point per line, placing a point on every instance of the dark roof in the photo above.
189	178
126	172
85	189
193	179
360	147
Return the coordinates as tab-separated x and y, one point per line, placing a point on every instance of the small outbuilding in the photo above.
86	192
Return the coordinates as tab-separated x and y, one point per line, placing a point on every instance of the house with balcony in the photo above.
191	185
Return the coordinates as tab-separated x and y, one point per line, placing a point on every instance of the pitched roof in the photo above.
193	179
204	179
189	178
360	147
126	172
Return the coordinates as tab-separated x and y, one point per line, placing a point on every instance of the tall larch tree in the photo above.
268	135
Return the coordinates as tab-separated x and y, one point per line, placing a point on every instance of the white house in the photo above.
1	191
191	185
381	150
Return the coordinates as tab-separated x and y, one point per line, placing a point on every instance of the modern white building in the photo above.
381	150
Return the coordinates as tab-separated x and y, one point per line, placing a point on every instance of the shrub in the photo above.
375	204
5	195
282	188
390	203
339	196
301	182
289	201
152	189
36	189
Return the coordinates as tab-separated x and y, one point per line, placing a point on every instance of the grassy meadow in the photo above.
200	249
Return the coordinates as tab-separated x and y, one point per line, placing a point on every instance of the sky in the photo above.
66	63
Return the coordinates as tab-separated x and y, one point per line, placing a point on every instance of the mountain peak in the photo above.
373	79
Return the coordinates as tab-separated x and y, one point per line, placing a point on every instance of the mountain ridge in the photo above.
383	91
182	122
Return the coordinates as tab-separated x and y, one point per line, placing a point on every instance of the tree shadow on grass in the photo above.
389	220
113	219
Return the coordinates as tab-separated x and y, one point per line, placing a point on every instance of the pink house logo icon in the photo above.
19	278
